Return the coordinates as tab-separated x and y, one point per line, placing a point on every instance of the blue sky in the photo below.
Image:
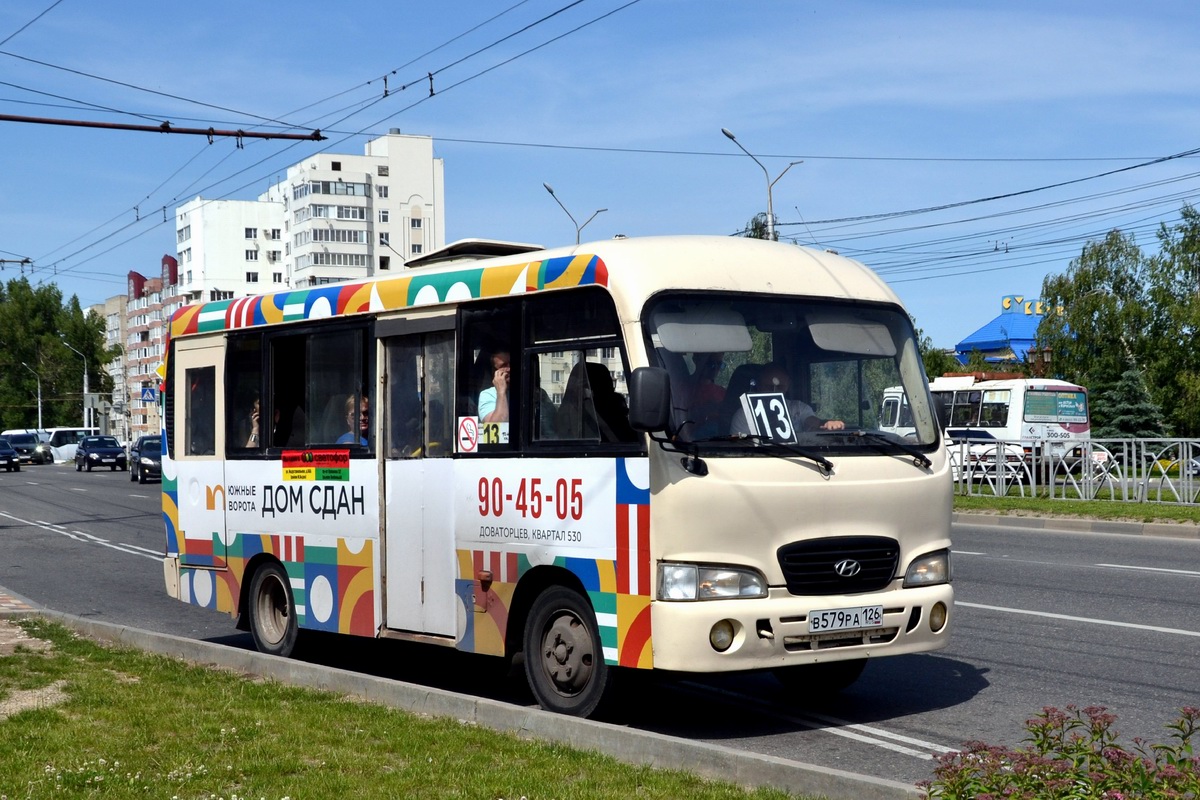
893	107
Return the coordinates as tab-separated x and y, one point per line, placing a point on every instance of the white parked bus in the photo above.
339	458
60	445
1014	409
1034	416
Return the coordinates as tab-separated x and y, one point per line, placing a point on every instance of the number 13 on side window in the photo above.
768	416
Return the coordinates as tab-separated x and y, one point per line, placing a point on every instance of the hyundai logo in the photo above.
847	568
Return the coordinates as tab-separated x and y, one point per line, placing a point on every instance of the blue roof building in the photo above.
1010	336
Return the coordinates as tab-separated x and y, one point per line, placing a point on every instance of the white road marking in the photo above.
1089	620
86	538
867	734
1152	569
1061	564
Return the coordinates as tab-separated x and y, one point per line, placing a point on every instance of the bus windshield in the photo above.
745	370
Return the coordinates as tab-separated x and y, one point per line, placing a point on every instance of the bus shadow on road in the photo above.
696	706
746	705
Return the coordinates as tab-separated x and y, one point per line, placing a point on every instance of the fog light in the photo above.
721	636
937	617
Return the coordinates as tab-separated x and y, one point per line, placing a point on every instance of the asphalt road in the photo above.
1043	618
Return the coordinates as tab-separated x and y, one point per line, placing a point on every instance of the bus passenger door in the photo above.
197	442
419	558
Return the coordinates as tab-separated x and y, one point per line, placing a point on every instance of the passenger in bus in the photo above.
253	439
774	378
493	401
359	422
591	408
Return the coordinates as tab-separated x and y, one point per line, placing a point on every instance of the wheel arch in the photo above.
532	584
252	566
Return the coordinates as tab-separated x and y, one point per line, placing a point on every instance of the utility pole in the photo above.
39	383
86	415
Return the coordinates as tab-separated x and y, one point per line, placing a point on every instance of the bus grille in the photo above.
809	567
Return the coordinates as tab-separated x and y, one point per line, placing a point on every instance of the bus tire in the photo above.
830	676
564	660
272	611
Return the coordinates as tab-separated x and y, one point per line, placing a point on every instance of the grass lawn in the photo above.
78	719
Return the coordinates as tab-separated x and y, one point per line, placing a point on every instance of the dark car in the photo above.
24	444
9	460
145	459
42	454
99	451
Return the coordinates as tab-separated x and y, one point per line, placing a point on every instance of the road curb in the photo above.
625	744
1068	525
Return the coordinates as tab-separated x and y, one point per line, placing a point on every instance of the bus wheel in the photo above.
564	662
272	611
831	676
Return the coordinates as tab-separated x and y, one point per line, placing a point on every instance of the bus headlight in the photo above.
696	582
928	570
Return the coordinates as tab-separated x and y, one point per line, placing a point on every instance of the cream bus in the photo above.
658	453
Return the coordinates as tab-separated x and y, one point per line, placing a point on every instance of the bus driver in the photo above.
774	378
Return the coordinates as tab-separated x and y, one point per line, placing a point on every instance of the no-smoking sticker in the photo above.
468	434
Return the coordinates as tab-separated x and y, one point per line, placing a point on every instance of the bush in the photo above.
1073	753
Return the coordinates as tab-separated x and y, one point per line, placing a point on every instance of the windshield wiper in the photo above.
773	447
886	445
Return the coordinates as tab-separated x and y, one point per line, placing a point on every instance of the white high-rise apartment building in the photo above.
353	217
333	218
229	248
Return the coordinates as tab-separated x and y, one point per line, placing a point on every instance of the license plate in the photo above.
845	619
107	460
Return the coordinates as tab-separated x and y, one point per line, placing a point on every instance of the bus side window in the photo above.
420	400
317	379
492	344
243	396
438	394
201	411
405	417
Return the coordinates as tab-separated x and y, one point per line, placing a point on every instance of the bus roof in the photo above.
950	382
632	268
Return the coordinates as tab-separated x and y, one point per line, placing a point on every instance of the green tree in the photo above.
936	360
1124	310
1102	331
1172	365
756	228
977	362
33	325
1126	410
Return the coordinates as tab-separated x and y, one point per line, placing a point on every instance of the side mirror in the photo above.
649	399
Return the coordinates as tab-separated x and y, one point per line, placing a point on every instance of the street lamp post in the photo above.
770	183
85	383
578	228
39	383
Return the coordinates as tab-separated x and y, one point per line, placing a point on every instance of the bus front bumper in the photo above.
774	631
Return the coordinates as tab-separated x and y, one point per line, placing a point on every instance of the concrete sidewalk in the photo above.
1080	525
625	744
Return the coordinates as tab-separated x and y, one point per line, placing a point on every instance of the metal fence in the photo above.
1129	470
